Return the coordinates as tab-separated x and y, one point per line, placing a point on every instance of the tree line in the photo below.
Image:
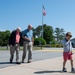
50	35
4	37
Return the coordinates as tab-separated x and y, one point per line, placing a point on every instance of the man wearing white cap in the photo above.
27	43
14	42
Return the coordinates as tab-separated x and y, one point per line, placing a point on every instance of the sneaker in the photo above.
29	61
64	70
72	70
18	63
22	61
10	61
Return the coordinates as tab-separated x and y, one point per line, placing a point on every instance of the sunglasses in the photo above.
69	35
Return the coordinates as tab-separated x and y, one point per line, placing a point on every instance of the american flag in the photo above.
44	11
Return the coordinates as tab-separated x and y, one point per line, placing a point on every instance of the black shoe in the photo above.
10	61
29	62
72	70
64	70
22	61
18	62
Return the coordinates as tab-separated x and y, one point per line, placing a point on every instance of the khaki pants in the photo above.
12	50
27	46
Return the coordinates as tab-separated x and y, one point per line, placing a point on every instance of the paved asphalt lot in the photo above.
37	56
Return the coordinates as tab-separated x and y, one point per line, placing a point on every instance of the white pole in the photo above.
42	23
42	26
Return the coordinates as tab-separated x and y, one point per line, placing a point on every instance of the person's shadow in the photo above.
7	63
42	72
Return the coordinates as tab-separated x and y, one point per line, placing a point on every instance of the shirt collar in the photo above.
66	39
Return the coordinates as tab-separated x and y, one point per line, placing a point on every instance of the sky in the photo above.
21	13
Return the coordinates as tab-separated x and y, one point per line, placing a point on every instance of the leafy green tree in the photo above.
38	41
4	37
37	31
47	32
1	42
1	37
7	35
59	34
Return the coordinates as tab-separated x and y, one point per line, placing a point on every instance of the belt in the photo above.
16	43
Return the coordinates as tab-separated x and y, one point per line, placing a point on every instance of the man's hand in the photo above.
32	43
10	45
26	39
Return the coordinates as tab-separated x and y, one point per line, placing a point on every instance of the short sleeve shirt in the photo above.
67	45
28	34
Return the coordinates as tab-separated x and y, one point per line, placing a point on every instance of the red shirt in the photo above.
17	37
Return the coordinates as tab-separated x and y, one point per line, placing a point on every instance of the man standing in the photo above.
14	42
27	43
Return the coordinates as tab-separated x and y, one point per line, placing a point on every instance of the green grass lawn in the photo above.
3	48
34	48
21	48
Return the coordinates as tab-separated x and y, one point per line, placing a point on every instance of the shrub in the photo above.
39	41
56	45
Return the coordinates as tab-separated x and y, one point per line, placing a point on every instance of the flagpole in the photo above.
42	21
42	26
